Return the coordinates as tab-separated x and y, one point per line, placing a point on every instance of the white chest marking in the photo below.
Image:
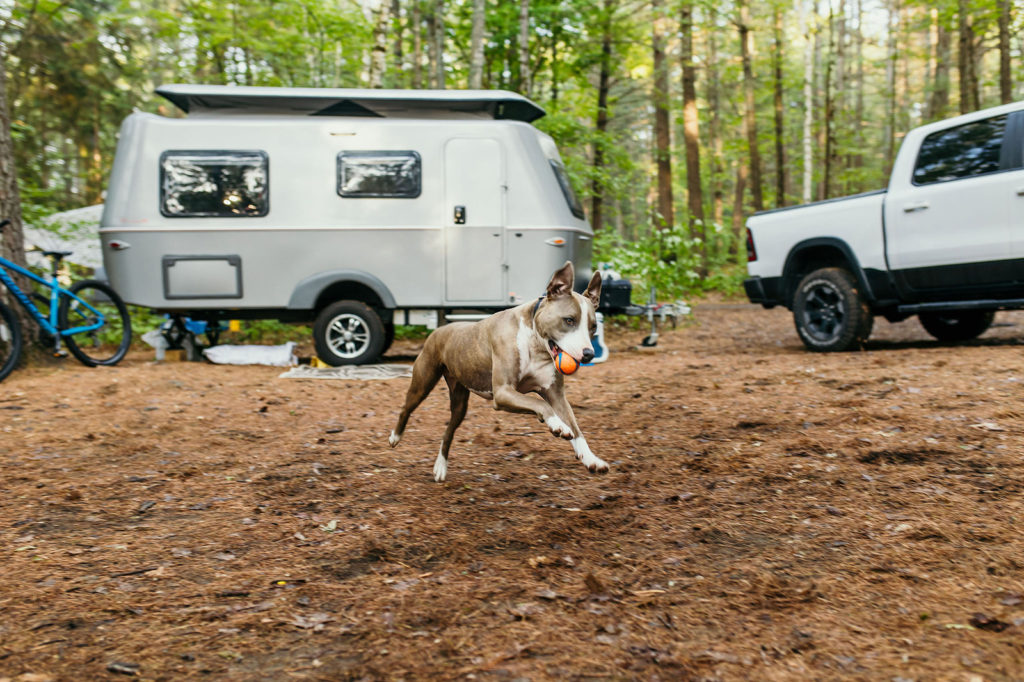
536	371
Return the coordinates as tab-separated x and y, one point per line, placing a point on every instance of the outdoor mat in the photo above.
349	372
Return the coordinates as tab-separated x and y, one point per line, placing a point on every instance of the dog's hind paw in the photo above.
394	439
596	466
559	427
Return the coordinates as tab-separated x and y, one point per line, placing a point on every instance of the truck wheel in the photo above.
348	333
957	325
830	313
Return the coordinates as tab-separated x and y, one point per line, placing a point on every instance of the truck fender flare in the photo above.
308	290
789	270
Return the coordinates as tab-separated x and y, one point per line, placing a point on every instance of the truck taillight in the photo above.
751	251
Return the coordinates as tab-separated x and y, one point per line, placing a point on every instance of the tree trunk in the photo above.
525	81
691	137
808	127
662	134
1005	77
780	147
737	212
12	241
435	30
938	102
379	52
603	84
476	46
829	123
397	48
416	23
714	123
750	115
965	59
890	85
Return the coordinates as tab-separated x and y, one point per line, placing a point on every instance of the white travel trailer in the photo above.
354	209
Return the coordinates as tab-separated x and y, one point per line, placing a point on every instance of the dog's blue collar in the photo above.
533	313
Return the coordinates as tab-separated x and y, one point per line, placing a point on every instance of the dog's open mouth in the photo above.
553	348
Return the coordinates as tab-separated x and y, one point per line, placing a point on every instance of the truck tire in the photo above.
957	325
830	313
348	333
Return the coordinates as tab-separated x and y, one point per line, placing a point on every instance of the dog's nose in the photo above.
588	355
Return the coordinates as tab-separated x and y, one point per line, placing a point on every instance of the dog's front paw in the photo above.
440	468
595	465
559	427
394	439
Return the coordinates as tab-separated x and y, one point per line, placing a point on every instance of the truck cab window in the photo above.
213	184
375	174
961	152
563	181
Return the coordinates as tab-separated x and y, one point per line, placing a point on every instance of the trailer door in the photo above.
474	221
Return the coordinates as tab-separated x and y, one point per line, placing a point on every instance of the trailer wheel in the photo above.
348	333
957	325
830	313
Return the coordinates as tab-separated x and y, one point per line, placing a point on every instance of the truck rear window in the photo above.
961	152
563	181
211	184
394	174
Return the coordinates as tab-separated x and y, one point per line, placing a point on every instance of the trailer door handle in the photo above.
1020	192
460	215
913	208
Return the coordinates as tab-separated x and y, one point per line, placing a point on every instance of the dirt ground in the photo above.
770	514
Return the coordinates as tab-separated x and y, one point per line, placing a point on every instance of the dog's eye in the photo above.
571	321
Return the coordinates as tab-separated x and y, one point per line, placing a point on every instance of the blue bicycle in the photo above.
88	317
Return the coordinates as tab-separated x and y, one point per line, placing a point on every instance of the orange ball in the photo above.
566	363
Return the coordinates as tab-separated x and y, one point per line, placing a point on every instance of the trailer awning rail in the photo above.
240	100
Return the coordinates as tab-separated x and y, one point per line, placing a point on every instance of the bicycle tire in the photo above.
117	330
10	341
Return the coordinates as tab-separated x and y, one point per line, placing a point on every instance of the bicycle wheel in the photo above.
10	341
103	346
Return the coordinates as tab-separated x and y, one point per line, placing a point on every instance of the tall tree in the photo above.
715	181
778	92
1005	74
476	45
12	244
691	137
968	77
601	122
525	79
938	100
416	24
436	33
378	55
743	25
662	134
809	31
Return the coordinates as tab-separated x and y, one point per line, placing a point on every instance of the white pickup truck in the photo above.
944	242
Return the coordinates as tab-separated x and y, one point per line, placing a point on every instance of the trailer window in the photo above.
961	152
563	181
393	174
212	184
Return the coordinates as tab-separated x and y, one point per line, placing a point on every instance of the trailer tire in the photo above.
348	333
830	313
957	325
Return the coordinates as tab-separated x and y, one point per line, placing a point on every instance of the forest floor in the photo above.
770	514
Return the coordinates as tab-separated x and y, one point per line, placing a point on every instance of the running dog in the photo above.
507	356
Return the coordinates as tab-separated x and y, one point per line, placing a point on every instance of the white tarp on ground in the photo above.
77	231
274	356
349	372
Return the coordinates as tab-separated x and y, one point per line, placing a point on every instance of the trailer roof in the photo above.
230	99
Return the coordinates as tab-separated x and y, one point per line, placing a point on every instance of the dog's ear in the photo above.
561	281
593	291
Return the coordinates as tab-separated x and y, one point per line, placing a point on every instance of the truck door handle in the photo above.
1020	192
913	208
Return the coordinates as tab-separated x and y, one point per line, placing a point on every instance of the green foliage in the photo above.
670	262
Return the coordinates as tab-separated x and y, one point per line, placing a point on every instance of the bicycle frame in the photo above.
52	325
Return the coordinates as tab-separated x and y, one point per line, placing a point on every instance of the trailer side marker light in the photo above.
555	241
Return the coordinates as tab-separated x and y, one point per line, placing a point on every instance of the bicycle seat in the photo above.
57	254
